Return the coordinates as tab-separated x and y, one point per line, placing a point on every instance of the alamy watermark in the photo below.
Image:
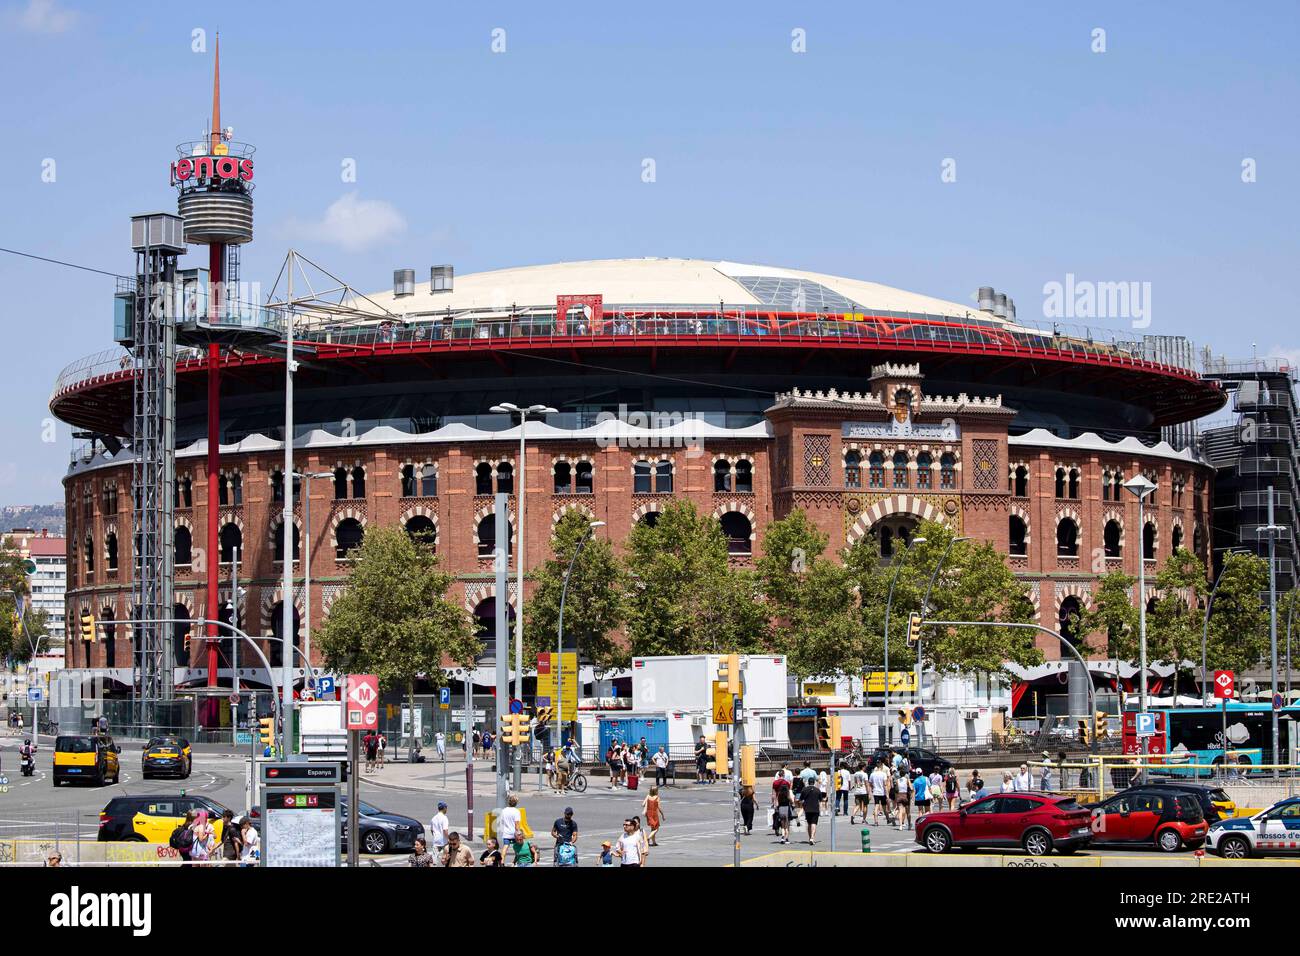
1084	299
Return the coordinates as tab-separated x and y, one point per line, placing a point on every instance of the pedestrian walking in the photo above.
1023	780
440	741
565	832
229	837
371	742
510	822
204	838
842	788
660	761
491	855
456	853
975	784
548	768
654	814
615	764
812	808
921	792
631	849
903	800
439	829
382	746
606	856
420	856
951	788
747	808
879	795
525	854
702	760
783	797
182	837
251	851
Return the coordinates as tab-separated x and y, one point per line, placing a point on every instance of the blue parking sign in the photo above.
1144	724
444	695
324	685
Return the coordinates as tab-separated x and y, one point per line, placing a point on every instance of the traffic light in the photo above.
729	673
87	626
904	716
187	644
266	731
748	766
514	729
544	715
1100	722
828	731
913	629
717	754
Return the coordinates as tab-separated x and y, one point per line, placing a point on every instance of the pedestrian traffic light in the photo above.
717	754
87	626
748	766
266	731
187	644
729	673
913	629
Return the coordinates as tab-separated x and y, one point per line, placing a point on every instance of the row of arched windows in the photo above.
894	472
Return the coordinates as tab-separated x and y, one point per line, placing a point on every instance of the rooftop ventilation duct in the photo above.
1000	305
441	278
986	298
1011	308
403	283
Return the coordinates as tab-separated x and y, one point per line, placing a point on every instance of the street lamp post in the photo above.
559	641
307	478
889	601
1273	529
509	408
1140	487
925	609
1205	627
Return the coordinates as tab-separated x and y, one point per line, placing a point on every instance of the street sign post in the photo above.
904	736
325	685
516	706
363	701
566	709
723	706
1224	684
1145	725
444	698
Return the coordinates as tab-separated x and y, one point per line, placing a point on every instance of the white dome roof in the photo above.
670	282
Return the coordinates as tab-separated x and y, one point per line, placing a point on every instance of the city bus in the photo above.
1195	735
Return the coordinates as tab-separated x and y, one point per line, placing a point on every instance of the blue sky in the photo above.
1123	165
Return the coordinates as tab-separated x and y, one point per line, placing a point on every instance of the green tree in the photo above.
1174	623
17	637
815	620
394	619
684	597
593	609
1239	620
1114	614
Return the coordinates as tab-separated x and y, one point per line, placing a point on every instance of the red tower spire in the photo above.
216	98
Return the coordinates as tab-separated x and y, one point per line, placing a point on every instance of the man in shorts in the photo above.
879	794
861	783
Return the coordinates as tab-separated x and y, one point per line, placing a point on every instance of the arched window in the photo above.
422	529
487	536
721	476
853	469
948	471
744	477
109	629
1019	536
1111	539
232	539
1067	538
563	478
277	539
649	519
1060	483
641	478
1149	541
900	469
347	538
223	490
738	530
1105	485
1116	485
110	549
184	493
924	471
358	482
1155	492
583	479
182	547
505	478
485	627
1176	538
90	555
1068	620
1074	483
1020	484
408	481
340	483
1198	541
429	481
876	470
664	477
483	479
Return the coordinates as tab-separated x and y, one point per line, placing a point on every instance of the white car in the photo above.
1272	831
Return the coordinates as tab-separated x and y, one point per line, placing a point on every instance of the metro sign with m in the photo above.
363	701
1225	685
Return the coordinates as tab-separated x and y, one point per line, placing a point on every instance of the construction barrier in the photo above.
23	850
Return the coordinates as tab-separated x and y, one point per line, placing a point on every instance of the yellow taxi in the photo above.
86	757
151	819
167	756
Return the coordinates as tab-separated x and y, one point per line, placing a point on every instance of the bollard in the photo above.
866	840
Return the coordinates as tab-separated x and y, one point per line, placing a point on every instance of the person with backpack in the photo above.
182	838
205	838
565	832
230	846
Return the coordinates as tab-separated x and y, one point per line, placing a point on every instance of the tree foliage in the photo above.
1113	613
594	605
18	636
1239	619
393	619
684	597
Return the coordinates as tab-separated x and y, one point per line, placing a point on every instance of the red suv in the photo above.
1150	816
1035	822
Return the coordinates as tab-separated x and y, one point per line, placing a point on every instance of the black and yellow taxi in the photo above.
151	819
167	756
86	757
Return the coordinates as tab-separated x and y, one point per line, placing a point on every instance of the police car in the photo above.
1272	831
